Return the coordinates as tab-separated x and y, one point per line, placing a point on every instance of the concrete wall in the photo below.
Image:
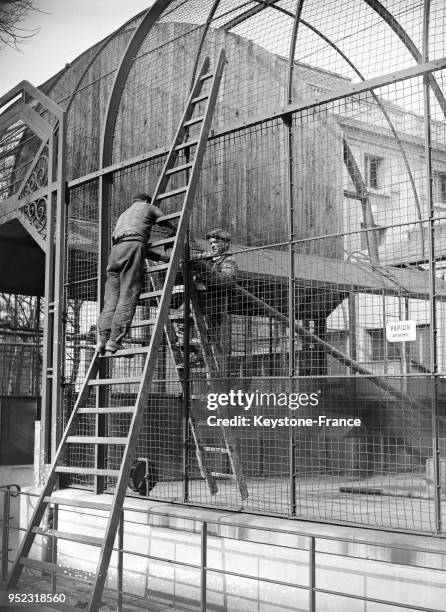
260	547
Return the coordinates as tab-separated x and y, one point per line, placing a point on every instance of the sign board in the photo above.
401	331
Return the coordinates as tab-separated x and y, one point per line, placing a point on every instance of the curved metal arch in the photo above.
98	51
202	39
148	21
411	46
375	97
348	158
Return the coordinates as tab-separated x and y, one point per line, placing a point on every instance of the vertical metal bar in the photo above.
288	120
5	531
54	525
119	582
432	280
383	312
312	575
186	370
353	338
203	567
38	371
59	274
105	198
47	357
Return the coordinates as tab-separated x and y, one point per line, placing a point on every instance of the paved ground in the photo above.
77	597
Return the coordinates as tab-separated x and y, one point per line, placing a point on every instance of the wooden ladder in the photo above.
204	93
212	360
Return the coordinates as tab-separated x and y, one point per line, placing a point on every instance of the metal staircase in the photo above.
204	93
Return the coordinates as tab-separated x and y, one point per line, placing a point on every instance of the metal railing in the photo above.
207	529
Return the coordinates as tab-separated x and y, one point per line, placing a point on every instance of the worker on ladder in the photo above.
125	269
213	272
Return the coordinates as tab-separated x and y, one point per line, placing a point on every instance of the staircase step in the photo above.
151	294
63	469
164	241
188	143
114	381
193	121
77	503
172	193
96	440
158	268
143	323
129	352
107	410
69	572
72	537
178	169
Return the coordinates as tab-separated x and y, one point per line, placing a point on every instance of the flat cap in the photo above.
219	232
143	196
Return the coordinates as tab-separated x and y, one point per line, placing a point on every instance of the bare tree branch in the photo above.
12	15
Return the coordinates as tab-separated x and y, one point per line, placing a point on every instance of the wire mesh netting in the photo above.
325	175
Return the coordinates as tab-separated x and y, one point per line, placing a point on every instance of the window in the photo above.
373	169
419	350
380	349
440	187
417	353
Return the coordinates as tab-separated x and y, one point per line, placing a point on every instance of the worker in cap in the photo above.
213	271
220	268
219	233
125	269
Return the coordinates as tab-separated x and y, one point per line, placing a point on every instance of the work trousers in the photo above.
125	277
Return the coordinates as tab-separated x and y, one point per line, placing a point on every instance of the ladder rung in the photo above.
223	474
193	121
63	469
77	503
199	98
206	76
115	381
159	268
129	352
151	294
72	537
143	323
172	193
175	170
69	572
173	215
109	410
162	242
188	143
96	440
216	449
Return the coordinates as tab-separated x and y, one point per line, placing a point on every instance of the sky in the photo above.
67	28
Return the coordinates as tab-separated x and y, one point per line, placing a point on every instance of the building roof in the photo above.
337	275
